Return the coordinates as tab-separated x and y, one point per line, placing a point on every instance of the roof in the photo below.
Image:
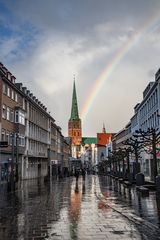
74	109
89	140
103	138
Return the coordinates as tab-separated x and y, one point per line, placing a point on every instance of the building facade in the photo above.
89	152
33	139
147	116
103	140
12	123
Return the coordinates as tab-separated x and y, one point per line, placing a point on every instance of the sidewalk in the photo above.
66	210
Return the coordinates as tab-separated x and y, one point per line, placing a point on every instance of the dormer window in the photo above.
13	79
9	76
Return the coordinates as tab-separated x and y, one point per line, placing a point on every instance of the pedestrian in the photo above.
76	174
83	174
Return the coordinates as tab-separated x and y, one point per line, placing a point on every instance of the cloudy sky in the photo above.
44	43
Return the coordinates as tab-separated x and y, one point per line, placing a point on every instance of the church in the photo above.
75	126
86	151
83	148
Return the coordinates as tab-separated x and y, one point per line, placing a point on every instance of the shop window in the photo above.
3	135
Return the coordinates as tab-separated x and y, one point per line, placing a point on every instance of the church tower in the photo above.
74	126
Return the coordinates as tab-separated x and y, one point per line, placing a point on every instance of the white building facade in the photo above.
146	116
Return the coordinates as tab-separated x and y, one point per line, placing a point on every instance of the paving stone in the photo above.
57	211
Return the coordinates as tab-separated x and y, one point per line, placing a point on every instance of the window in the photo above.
16	117
23	103
16	97
4	88
3	135
7	137
156	97
21	141
4	111
9	76
8	92
8	113
11	115
12	94
20	117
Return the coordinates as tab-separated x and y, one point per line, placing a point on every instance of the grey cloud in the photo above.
67	37
80	16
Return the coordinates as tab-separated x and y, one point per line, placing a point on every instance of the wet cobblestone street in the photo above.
94	209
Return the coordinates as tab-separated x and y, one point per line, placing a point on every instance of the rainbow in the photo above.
115	61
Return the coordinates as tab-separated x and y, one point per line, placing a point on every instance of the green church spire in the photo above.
74	110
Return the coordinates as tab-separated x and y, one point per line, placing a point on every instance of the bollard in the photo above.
139	179
131	177
158	184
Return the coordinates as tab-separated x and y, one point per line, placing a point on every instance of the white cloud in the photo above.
71	43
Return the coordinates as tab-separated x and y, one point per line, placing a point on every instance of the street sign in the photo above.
3	144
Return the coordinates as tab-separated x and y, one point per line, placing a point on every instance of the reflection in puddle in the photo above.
75	209
147	207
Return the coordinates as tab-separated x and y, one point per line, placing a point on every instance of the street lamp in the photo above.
14	170
12	182
17	155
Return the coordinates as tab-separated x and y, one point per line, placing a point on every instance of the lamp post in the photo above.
14	165
12	182
17	156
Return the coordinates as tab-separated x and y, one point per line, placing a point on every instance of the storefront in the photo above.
5	167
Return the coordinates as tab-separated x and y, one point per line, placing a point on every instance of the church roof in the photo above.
74	109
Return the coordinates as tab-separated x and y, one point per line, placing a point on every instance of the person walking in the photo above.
83	174
76	174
